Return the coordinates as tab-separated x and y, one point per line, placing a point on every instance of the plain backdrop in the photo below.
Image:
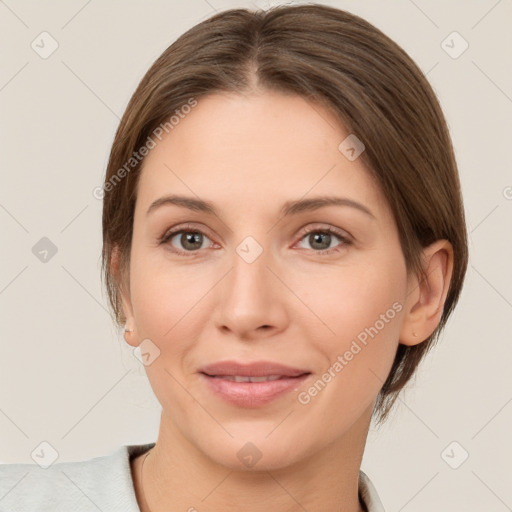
66	375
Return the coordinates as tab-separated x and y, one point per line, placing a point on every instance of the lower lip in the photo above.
252	394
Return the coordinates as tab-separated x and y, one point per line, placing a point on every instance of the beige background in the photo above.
66	375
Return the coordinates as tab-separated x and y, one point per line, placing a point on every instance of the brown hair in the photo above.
344	63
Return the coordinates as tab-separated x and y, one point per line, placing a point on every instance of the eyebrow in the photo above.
289	208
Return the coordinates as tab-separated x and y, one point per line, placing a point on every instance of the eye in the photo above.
321	239
190	239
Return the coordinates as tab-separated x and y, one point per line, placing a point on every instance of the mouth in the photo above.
252	384
245	378
268	369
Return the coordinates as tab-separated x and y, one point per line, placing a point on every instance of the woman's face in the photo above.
254	284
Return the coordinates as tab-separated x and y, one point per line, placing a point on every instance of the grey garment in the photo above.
368	494
102	484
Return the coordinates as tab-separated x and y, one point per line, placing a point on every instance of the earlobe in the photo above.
130	329
427	296
129	333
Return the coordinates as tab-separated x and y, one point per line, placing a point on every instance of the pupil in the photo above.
191	237
319	236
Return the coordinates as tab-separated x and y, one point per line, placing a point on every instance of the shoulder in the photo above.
101	483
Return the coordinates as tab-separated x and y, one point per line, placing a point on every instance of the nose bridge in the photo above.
249	280
250	296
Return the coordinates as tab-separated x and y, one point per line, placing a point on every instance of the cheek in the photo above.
168	300
168	311
347	300
355	323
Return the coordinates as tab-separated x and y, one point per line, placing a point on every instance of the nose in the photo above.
252	299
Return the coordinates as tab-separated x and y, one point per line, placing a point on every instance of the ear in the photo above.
426	296
123	279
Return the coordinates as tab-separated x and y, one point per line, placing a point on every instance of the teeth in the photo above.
237	378
243	378
264	379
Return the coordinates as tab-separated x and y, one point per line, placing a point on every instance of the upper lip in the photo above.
253	369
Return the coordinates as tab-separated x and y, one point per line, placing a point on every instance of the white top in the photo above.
101	484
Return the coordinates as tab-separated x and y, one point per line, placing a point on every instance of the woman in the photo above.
283	241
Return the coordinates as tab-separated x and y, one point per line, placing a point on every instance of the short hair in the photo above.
344	63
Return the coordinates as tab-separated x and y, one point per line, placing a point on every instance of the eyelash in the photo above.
346	241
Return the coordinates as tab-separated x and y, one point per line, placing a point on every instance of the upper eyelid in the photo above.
326	227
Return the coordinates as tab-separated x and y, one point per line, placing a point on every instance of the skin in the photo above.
248	154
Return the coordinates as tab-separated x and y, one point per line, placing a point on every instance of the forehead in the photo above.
256	150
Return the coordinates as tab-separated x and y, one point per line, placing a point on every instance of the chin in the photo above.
255	453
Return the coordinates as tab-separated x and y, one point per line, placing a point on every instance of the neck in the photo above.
178	476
